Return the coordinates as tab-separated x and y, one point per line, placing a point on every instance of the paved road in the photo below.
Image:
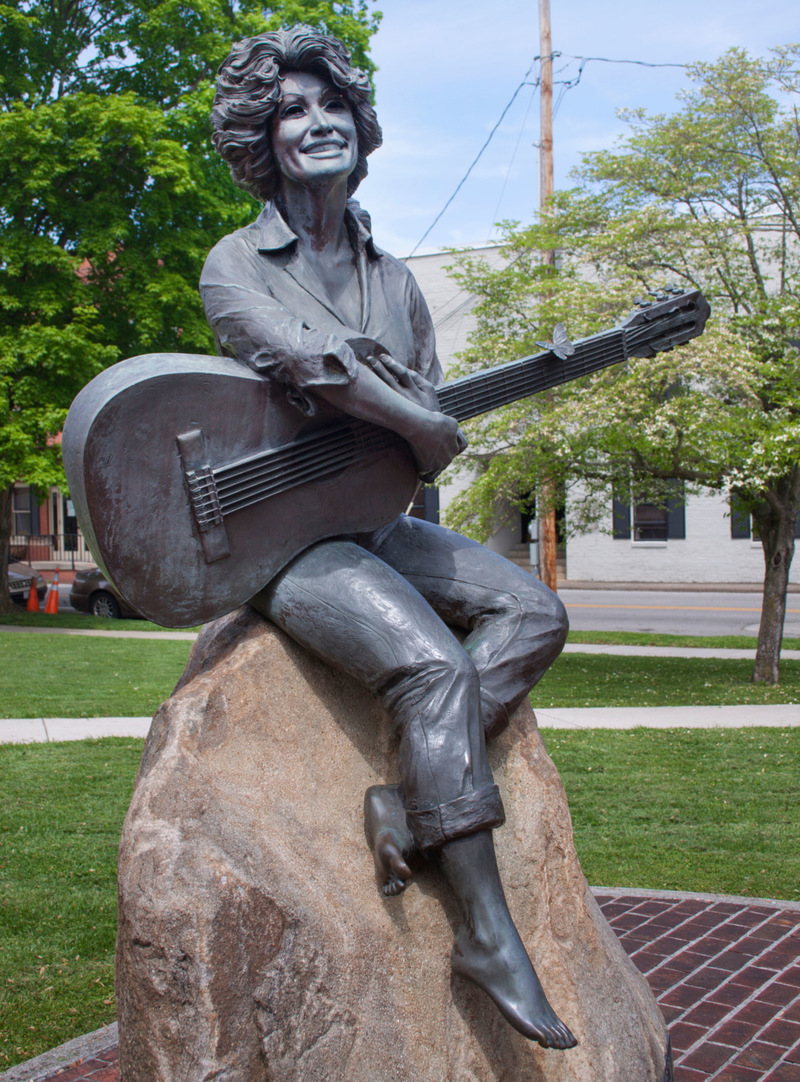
671	613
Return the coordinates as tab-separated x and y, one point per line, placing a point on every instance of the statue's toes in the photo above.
393	886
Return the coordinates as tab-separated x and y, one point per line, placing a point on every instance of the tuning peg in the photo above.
641	302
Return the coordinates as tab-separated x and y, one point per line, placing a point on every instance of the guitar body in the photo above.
195	480
128	479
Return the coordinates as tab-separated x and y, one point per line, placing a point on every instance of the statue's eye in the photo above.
336	105
292	110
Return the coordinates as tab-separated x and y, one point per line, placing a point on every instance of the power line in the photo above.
513	158
566	84
475	161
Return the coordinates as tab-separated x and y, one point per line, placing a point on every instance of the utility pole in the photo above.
547	520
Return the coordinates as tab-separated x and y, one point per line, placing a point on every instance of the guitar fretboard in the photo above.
481	392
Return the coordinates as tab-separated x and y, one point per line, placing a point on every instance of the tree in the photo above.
707	197
111	195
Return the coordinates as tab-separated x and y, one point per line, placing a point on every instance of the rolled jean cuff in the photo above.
480	810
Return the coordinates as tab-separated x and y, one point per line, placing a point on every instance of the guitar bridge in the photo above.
203	496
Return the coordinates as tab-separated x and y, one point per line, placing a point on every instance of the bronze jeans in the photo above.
378	607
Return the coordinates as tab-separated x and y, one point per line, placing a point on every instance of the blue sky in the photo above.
448	68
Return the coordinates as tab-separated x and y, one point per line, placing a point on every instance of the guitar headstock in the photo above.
674	316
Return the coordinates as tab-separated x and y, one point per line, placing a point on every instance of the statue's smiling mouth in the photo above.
320	146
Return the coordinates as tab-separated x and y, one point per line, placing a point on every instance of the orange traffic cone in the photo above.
51	601
33	598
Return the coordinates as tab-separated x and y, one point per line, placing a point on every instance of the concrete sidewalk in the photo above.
42	730
729	653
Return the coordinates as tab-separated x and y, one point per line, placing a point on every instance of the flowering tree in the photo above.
111	196
708	197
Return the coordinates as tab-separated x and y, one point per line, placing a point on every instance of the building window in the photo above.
22	510
642	521
649	522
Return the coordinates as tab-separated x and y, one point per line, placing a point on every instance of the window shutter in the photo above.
430	503
676	515
621	519
740	522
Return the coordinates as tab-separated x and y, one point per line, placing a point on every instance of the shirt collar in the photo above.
274	234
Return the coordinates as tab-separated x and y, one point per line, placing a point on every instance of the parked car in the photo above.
20	577
92	592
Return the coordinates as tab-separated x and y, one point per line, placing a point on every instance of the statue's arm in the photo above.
251	325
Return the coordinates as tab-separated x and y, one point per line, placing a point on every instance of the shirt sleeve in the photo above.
251	326
426	360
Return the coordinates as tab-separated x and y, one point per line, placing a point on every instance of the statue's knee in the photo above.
561	621
544	616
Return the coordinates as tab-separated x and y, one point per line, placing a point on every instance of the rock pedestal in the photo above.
253	945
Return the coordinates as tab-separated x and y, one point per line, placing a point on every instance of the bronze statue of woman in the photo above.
304	297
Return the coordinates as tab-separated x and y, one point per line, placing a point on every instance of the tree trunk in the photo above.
776	530
6	503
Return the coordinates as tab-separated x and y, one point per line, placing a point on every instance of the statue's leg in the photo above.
515	626
355	612
351	609
488	950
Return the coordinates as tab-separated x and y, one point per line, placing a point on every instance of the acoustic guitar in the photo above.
195	480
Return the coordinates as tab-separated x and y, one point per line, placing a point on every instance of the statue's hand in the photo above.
406	382
435	438
435	441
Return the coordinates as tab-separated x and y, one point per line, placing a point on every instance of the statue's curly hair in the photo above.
248	92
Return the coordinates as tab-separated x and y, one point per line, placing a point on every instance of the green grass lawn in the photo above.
606	680
703	810
60	821
21	618
648	638
69	676
73	676
714	810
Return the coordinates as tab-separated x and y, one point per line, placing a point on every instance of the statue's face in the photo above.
313	132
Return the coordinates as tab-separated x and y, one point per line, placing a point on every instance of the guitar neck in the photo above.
480	392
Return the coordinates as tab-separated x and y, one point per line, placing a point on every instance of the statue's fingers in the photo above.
399	371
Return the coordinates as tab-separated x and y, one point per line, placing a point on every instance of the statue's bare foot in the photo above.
498	963
392	871
388	836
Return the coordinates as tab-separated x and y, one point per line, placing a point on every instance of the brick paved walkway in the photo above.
727	978
726	974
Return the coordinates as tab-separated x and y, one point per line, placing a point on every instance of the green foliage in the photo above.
709	198
110	193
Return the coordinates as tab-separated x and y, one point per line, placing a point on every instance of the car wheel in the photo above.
105	605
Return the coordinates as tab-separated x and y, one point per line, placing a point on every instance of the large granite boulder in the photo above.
253	943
